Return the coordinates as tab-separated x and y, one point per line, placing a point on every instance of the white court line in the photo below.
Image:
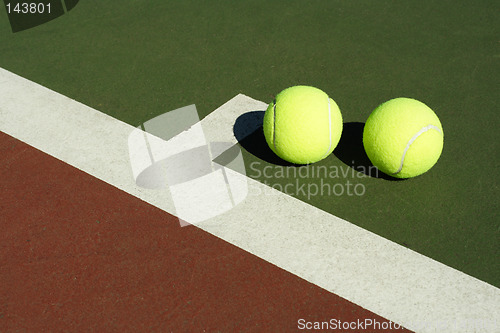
377	274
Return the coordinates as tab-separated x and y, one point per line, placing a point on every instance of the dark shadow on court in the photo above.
248	131
350	150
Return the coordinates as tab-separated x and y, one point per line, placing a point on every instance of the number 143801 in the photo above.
28	8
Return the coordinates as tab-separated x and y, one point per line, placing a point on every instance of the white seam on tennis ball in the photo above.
274	125
422	131
329	127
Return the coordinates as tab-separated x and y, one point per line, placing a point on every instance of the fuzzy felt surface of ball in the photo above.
302	125
403	137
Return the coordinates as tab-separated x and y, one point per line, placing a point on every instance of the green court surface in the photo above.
136	60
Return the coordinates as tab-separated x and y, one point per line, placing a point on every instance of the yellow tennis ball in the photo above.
403	138
302	125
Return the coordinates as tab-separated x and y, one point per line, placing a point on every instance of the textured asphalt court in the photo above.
361	267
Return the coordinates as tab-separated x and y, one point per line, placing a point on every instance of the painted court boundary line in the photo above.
375	273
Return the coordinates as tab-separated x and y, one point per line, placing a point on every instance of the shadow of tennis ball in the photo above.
248	131
351	151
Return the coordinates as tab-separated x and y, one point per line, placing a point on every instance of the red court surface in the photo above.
80	255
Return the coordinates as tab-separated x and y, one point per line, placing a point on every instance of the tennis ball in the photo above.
302	125
403	137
